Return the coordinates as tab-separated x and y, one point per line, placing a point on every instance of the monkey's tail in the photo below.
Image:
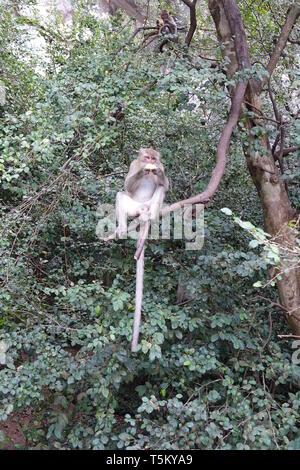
139	256
138	300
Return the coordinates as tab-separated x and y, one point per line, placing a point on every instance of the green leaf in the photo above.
226	211
253	244
105	392
257	284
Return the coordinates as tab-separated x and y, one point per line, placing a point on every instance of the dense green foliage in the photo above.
210	372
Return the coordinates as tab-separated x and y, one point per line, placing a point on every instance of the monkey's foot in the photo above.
120	232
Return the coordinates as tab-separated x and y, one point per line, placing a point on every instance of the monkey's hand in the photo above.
143	172
158	172
150	168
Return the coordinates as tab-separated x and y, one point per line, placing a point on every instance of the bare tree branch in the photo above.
193	20
235	21
223	146
130	7
275	109
280	129
292	16
287	151
288	336
294	41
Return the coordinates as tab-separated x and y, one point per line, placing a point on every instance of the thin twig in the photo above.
288	336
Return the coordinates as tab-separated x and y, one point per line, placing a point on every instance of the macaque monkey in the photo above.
167	23
145	188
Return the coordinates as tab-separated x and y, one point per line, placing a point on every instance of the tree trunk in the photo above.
128	6
276	206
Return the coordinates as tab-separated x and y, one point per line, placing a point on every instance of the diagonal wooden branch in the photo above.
130	8
237	30
280	130
294	41
287	151
193	20
275	109
292	16
223	146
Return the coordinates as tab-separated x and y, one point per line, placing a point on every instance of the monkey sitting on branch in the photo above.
165	25
145	188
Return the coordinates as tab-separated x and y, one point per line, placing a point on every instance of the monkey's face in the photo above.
164	15
148	156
